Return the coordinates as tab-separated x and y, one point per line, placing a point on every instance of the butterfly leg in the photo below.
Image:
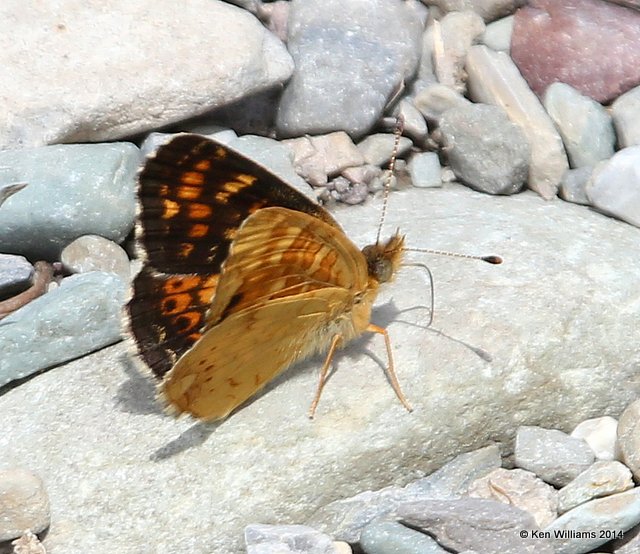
324	372
391	372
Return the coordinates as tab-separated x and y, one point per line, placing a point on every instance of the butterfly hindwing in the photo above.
194	193
287	288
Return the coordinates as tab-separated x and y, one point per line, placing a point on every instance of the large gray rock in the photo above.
555	318
350	57
74	190
99	74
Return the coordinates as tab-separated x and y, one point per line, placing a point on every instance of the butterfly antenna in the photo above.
496	260
392	165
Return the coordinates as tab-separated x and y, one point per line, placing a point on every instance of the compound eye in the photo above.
383	270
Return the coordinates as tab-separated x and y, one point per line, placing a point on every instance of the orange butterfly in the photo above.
242	276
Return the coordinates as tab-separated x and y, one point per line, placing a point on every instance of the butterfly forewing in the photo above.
194	193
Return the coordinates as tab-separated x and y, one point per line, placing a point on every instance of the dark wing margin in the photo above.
193	195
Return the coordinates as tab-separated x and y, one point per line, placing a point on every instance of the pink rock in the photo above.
592	45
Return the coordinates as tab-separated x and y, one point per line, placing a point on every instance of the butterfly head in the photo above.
384	258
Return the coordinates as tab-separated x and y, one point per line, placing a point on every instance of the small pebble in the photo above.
425	170
521	489
573	187
15	275
486	151
601	479
600	434
626	117
377	149
474	524
552	455
24	503
614	186
616	513
435	99
497	35
319	157
28	544
585	126
95	253
414	125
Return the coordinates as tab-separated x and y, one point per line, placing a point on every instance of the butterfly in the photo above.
242	276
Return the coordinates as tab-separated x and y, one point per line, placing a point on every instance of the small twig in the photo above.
42	277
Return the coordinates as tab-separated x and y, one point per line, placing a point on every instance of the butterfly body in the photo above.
273	277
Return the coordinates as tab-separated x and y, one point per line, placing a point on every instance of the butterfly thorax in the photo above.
383	259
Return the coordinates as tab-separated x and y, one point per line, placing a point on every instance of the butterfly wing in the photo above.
194	193
288	286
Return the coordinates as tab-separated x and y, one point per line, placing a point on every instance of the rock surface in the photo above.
78	317
349	60
105	447
126	69
74	190
494	79
588	44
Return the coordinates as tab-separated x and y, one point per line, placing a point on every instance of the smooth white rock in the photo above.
614	186
625	111
497	35
600	434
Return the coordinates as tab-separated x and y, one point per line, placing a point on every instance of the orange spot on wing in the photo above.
203	165
199	211
198	230
188	192
192	178
170	209
180	284
245	180
186	248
